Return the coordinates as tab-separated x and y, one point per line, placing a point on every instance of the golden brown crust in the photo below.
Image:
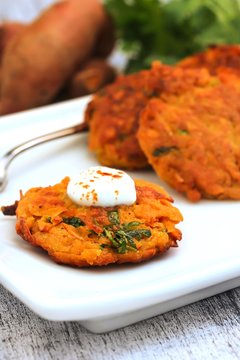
9	209
42	214
215	58
113	114
192	140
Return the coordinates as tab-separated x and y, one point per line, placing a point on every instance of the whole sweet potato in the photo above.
39	60
8	30
105	40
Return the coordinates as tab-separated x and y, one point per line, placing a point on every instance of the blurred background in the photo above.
22	10
132	34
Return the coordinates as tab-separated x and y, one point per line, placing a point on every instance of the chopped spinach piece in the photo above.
139	234
74	221
113	217
163	150
121	236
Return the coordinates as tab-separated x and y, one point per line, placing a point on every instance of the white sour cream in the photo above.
102	186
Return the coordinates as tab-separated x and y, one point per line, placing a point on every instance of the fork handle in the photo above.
12	153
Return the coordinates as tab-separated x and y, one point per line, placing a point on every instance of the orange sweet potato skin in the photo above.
38	61
8	31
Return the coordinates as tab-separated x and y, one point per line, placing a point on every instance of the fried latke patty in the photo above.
193	140
113	114
113	119
215	58
89	236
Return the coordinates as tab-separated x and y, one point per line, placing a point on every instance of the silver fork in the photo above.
11	154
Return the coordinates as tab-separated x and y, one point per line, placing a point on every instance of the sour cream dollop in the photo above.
102	186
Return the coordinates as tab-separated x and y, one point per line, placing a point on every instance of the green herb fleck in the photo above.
183	132
113	217
49	219
74	221
163	150
121	236
139	234
103	246
92	233
130	225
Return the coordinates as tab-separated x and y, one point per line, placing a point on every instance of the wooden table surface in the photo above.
208	329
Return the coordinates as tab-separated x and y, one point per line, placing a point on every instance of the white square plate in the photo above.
206	262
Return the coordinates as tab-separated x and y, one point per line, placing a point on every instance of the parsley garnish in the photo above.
74	221
177	28
113	217
122	236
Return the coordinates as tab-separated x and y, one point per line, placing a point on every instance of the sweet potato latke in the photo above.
192	139
215	58
89	236
113	114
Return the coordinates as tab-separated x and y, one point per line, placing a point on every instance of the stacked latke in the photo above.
183	119
192	140
113	116
215	58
